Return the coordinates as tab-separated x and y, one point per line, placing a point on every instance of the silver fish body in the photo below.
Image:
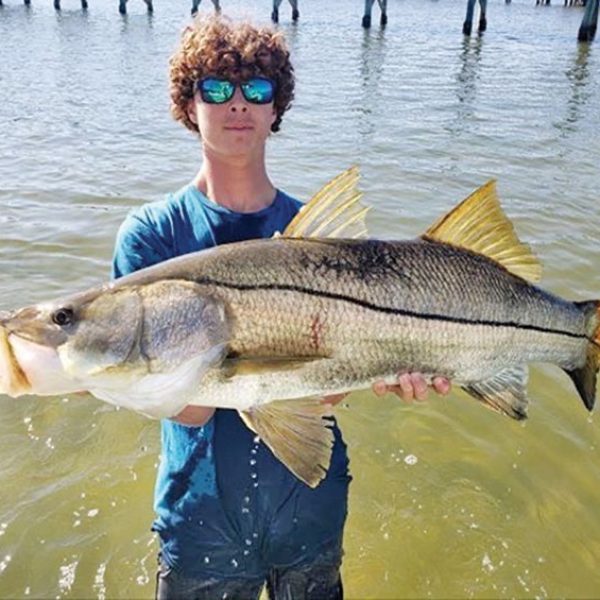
361	310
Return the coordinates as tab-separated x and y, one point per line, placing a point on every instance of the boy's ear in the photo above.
191	111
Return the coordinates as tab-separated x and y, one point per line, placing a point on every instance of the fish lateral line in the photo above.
388	309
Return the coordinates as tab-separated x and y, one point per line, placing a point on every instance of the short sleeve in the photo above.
138	245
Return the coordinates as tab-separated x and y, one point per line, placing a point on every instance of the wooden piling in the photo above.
196	4
123	6
468	24
482	17
589	24
275	11
366	20
84	4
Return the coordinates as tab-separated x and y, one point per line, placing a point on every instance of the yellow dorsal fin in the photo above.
334	211
479	224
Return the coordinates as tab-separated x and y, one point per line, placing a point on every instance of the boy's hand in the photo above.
410	386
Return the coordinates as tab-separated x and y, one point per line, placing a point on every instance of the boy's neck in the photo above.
237	183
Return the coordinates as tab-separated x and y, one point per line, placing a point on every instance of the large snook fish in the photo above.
306	314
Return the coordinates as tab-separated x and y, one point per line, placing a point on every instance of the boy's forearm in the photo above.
194	416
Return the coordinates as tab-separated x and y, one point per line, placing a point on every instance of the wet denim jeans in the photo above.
314	582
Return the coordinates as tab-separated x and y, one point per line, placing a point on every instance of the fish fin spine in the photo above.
479	224
335	211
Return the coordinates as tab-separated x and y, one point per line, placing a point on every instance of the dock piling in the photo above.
196	4
366	20
589	24
275	11
468	24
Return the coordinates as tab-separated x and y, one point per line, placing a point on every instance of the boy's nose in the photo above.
238	102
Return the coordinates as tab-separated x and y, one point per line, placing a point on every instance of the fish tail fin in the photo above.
585	377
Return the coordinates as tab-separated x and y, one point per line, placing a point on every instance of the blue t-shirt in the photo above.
226	507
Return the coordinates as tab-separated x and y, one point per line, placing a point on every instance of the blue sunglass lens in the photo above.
216	91
258	90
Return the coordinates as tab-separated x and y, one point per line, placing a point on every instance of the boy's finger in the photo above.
380	388
405	383
420	386
441	385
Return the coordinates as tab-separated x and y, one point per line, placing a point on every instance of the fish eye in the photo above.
63	316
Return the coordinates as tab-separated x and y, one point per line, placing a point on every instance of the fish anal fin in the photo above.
504	393
297	434
479	224
334	211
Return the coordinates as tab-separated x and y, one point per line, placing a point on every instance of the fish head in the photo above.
63	346
118	342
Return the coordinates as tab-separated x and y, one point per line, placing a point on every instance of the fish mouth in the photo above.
13	380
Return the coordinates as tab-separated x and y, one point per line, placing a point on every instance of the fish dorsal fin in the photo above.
334	211
297	434
479	224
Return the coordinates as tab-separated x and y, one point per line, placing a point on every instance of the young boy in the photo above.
230	516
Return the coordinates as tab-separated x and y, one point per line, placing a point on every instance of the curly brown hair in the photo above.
216	46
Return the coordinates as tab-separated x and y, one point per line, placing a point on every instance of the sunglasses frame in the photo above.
241	85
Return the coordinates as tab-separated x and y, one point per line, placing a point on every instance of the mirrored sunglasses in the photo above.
257	90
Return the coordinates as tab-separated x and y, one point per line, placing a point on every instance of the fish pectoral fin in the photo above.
505	392
479	224
297	434
334	211
261	365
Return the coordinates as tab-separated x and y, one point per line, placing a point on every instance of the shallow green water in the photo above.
448	499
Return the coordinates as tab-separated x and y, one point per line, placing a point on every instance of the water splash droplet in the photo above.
411	459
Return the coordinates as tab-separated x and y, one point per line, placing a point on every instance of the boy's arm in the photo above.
194	416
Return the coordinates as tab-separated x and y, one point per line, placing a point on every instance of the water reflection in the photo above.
578	74
125	21
466	83
372	59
